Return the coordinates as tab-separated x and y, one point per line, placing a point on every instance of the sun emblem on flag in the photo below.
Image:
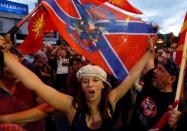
38	26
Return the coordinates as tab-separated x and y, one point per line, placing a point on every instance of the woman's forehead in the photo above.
90	77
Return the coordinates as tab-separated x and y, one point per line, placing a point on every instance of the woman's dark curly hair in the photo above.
1	63
79	102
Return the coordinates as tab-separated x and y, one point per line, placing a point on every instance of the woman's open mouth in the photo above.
91	93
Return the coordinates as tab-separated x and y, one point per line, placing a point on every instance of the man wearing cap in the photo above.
155	97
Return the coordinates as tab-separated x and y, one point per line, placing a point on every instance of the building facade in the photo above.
10	14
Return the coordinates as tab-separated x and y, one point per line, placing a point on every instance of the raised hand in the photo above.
152	42
5	43
174	117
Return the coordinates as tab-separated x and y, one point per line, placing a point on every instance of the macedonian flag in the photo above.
181	41
38	25
123	4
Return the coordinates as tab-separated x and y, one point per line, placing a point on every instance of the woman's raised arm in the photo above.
57	99
117	93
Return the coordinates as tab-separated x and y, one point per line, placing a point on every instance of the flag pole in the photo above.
182	71
15	28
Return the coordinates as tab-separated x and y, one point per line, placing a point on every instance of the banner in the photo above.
125	5
104	35
181	41
38	25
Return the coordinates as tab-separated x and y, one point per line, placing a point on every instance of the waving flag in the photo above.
125	5
96	2
38	24
11	127
105	36
181	41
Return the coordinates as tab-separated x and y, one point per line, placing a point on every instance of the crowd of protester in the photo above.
129	105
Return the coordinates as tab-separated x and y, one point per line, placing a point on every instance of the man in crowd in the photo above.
19	105
157	94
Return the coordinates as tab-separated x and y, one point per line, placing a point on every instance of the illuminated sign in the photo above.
12	7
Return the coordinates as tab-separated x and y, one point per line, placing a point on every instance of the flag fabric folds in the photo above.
38	25
95	2
181	41
11	127
104	35
125	5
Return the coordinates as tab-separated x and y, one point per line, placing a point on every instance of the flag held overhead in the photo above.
125	5
104	35
38	25
181	41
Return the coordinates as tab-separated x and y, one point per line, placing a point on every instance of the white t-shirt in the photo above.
62	66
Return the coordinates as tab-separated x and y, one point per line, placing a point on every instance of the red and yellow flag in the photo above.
125	5
104	35
96	2
38	25
181	41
